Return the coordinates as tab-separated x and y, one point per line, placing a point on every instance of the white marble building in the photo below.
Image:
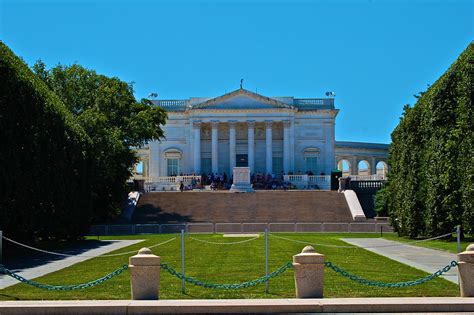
242	128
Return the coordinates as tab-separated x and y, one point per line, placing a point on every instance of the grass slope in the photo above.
237	263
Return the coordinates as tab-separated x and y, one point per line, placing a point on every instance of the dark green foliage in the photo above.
431	181
107	110
381	202
44	163
66	152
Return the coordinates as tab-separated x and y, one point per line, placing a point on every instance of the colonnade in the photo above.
232	145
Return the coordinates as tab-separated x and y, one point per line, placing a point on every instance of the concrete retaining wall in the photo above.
353	227
346	305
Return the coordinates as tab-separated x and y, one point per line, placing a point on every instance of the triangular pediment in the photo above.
242	99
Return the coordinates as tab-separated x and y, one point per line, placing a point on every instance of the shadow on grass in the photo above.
18	258
8	297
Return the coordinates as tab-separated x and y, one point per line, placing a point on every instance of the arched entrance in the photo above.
363	168
345	167
381	168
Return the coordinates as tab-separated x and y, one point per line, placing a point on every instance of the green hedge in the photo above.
44	158
431	188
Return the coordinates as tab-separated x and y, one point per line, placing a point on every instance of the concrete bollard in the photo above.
145	275
466	271
309	273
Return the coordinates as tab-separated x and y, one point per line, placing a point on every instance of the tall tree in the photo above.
45	163
431	181
107	110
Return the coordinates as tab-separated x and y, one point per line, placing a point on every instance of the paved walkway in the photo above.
51	266
426	259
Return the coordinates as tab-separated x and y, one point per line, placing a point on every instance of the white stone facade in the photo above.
242	128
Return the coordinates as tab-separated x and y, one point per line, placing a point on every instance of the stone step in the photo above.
226	207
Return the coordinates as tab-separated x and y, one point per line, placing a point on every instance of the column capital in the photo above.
214	123
197	124
268	123
232	123
286	123
251	123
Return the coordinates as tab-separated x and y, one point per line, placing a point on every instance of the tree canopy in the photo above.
430	188
44	156
107	110
69	139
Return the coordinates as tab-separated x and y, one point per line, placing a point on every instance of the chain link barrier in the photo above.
84	256
360	247
222	243
70	287
381	284
233	286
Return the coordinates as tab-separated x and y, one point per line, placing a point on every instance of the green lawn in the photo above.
450	244
238	263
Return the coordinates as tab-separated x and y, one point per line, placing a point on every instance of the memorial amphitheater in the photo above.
289	149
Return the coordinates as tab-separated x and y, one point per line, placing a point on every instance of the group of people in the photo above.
218	181
223	181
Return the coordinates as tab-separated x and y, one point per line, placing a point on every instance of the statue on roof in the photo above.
241	83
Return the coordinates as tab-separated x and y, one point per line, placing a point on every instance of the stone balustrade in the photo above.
167	182
314	101
367	177
309	181
172	103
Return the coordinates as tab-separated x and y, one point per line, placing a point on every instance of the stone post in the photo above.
466	271
309	273
342	184
145	275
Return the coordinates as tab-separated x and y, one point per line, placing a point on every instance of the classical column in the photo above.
354	166
214	148
251	144
231	145
197	147
373	166
286	146
330	149
292	146
268	145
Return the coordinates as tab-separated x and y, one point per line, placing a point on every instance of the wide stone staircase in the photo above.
258	207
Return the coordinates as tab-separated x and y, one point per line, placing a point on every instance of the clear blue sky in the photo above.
374	54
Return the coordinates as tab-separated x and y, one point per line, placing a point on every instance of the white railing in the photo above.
319	179
175	179
295	178
169	182
172	103
188	178
309	181
314	101
367	177
369	184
